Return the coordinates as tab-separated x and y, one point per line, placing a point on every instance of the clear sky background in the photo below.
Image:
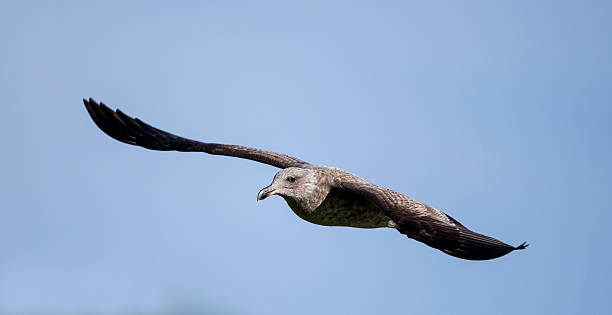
497	113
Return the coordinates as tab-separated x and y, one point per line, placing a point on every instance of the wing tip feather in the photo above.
522	246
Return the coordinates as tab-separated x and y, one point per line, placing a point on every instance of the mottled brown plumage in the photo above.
320	194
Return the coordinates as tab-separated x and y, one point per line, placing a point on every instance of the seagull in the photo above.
321	194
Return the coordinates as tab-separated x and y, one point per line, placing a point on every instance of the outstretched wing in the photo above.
429	225
134	131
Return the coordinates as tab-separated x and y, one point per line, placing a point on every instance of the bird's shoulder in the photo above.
337	176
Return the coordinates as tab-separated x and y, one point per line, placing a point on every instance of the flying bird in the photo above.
320	194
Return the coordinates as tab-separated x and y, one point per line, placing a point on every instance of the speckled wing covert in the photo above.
429	225
134	131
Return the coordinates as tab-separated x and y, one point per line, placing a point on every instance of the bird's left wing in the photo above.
429	225
134	131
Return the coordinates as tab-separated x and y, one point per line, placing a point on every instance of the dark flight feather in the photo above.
136	132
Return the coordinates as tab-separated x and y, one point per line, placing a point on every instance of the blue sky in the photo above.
496	113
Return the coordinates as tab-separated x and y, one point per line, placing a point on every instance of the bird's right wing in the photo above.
429	225
134	131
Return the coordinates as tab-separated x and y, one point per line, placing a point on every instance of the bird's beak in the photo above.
265	193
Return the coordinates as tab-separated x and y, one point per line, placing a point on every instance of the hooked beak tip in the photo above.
264	193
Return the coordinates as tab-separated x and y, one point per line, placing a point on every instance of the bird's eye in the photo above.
291	179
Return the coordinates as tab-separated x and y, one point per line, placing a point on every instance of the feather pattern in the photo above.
429	225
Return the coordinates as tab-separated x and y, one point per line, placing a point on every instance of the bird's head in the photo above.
305	186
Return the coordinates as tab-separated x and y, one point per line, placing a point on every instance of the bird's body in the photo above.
341	208
320	194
